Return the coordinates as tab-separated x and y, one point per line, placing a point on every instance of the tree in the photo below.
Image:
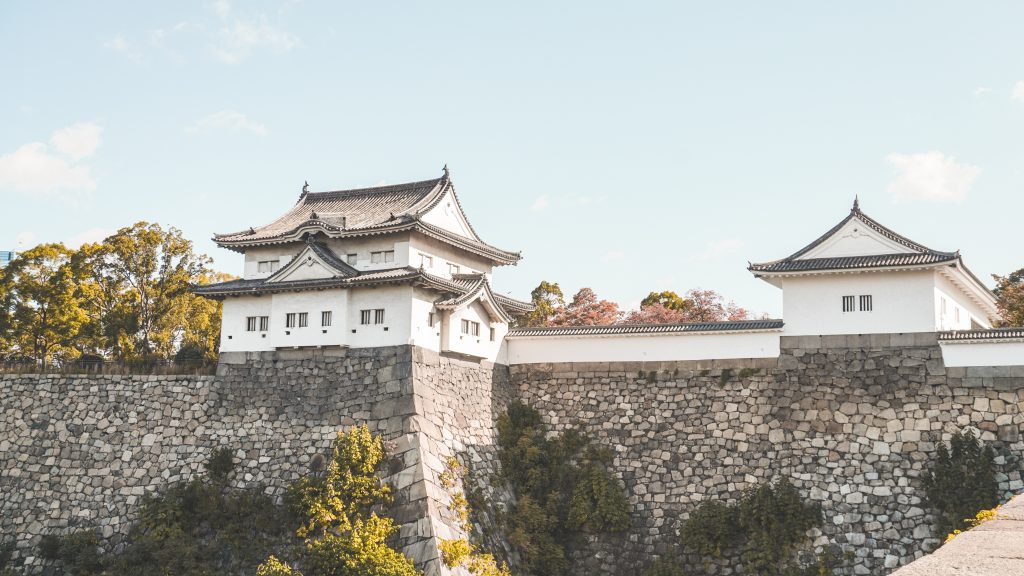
40	311
667	299
141	285
1010	298
547	299
586	310
656	313
343	535
710	306
961	481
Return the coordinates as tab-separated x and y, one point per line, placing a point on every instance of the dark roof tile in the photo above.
697	327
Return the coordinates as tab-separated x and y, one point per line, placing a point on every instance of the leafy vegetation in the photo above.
459	552
1009	293
961	482
203	528
343	534
764	532
127	298
563	488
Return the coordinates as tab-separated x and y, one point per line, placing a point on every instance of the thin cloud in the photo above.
540	204
227	120
1018	90
931	177
55	169
981	91
715	250
121	45
237	40
78	140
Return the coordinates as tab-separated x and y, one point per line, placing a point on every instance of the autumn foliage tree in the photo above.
547	299
697	306
587	310
1010	298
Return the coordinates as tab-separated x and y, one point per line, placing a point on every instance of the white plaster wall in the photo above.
233	336
641	348
983	354
421	333
362	247
481	346
313	303
443	254
902	302
253	256
955	298
397	303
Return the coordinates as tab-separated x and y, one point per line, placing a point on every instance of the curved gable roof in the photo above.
913	254
365	211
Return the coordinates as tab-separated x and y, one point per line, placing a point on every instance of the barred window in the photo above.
865	303
465	326
303	319
325	318
848	304
492	334
364	316
289	320
250	324
264	323
378	316
383	256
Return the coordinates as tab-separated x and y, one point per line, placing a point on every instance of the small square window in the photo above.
289	320
426	261
453	268
475	326
389	256
303	319
267	266
430	320
264	323
865	303
848	303
325	318
250	324
351	259
364	316
378	316
492	334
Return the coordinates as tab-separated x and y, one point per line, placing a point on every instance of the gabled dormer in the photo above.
315	262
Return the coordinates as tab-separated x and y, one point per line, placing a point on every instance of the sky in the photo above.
628	147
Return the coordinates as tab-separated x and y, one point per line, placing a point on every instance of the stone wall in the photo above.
79	452
852	420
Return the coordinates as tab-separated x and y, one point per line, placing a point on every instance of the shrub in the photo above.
563	487
274	567
220	464
961	482
78	552
711	529
665	567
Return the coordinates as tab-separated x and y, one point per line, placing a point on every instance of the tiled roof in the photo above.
854	262
916	255
990	334
615	329
366	211
451	290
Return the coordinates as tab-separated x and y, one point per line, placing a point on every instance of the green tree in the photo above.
141	288
670	300
1009	293
343	535
41	308
547	299
961	481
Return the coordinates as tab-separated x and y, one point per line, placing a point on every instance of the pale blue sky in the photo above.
628	147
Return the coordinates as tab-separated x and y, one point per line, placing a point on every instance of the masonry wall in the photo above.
851	420
79	452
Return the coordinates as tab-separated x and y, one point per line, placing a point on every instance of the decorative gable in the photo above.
314	262
854	238
448	214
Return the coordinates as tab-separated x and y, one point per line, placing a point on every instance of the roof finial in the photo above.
445	169
305	187
856	203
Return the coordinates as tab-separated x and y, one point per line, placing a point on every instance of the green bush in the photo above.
961	482
763	531
220	464
77	552
563	488
665	567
